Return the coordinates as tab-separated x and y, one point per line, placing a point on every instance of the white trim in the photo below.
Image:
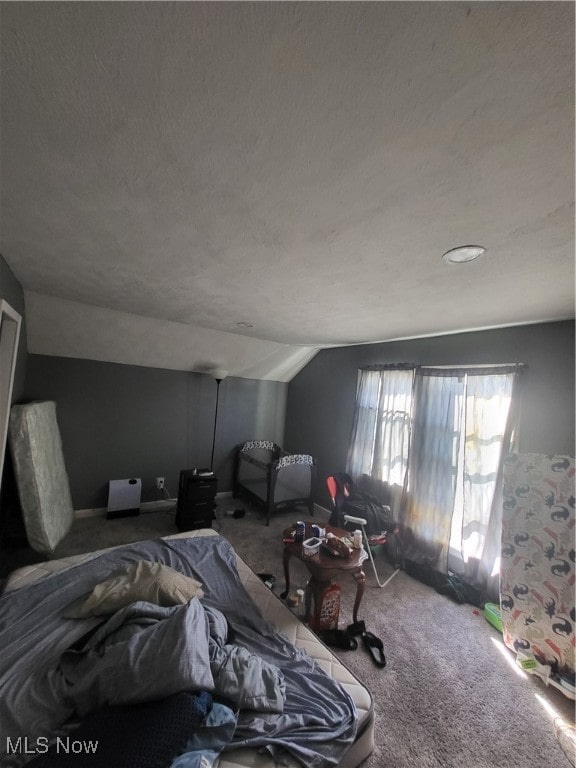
92	512
455	332
145	506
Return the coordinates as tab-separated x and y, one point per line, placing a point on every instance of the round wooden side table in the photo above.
323	567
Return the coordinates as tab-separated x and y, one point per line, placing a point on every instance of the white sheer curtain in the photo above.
381	431
443	435
432	466
489	432
462	430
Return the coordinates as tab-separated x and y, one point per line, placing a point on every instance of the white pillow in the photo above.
143	580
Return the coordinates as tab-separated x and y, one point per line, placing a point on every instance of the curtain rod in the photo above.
477	365
415	366
388	366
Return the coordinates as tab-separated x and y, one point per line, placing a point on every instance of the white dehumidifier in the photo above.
124	497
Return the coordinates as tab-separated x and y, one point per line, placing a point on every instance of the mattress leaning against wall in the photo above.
41	476
538	569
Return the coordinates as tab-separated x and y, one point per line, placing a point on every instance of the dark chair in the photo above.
347	499
353	508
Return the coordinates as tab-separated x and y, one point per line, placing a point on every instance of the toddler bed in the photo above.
269	476
326	718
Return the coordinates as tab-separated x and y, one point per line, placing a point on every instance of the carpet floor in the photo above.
450	695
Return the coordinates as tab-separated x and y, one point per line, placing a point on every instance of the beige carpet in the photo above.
449	696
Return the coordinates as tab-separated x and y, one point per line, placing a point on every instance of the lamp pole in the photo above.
218	375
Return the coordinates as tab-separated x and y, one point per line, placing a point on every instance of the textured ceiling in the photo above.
300	167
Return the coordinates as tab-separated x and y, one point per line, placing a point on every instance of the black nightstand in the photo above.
196	500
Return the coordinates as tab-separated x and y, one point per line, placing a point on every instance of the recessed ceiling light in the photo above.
242	324
463	253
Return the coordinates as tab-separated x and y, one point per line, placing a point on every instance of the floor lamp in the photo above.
218	374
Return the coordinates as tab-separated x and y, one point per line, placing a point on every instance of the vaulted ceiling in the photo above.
239	184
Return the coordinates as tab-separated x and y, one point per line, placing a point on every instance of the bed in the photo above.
269	476
326	718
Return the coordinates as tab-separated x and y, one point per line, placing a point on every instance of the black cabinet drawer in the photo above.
196	515
196	501
200	490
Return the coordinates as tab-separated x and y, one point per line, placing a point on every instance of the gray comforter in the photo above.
146	652
43	682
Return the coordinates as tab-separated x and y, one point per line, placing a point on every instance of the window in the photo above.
442	434
379	447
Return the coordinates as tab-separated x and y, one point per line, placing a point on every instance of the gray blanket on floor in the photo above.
316	726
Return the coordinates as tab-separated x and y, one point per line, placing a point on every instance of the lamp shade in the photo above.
218	373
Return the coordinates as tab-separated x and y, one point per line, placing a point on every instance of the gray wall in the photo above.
11	291
120	421
321	397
